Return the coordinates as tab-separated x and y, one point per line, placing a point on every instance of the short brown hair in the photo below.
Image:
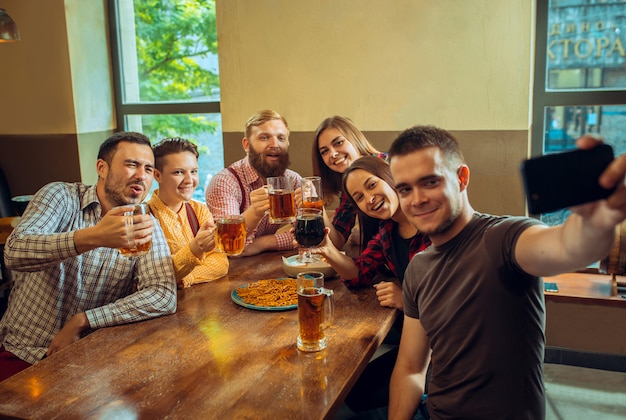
172	145
424	136
109	146
262	117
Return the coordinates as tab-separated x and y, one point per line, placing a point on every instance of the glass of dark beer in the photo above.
309	232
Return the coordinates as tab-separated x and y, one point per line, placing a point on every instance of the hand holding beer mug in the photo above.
132	249
312	192
282	203
231	234
315	310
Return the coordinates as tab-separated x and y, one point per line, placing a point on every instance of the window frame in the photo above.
148	108
543	98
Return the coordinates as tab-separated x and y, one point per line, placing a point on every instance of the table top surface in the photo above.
213	358
586	288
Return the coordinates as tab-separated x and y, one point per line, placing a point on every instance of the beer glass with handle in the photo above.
131	250
315	311
282	203
312	192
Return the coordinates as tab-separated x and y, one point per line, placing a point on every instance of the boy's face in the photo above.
178	178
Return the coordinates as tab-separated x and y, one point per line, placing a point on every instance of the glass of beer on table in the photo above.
131	249
282	203
312	192
315	311
230	234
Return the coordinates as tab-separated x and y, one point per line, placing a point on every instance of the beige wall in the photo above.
56	91
461	65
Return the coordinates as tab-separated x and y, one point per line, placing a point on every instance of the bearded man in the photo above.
69	277
241	188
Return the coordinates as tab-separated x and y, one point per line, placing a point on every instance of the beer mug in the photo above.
282	203
230	235
132	250
312	192
315	311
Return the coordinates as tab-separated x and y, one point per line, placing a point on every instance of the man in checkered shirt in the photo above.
69	277
241	188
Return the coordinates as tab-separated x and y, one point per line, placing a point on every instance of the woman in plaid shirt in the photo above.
370	189
338	143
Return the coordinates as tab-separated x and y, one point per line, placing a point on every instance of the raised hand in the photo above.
260	201
204	240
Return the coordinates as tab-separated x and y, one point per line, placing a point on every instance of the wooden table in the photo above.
212	359
584	317
586	288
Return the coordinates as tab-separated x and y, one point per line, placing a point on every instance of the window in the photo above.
164	55
580	76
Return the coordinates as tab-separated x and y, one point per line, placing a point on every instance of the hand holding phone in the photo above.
557	181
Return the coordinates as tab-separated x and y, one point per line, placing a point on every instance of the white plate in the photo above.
292	267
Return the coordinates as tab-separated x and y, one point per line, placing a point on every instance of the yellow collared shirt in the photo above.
189	269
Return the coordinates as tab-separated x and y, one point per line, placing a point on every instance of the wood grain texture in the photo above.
212	359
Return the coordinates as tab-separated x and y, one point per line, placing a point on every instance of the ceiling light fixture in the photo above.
8	28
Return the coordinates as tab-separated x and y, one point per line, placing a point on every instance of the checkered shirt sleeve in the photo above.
52	282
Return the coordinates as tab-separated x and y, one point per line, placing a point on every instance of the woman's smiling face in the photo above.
374	196
336	151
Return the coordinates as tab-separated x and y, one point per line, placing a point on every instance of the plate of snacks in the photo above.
267	295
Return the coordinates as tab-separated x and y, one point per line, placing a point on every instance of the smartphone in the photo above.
560	180
551	287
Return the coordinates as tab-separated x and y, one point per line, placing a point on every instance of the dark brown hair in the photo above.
424	136
109	146
375	166
170	146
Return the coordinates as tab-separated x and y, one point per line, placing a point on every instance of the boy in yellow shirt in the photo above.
188	224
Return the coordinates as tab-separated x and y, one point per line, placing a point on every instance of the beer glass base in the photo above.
132	255
308	259
314	346
282	220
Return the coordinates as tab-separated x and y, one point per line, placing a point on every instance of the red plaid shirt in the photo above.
377	258
224	196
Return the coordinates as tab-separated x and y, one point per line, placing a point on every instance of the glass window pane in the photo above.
586	45
205	130
169	52
564	124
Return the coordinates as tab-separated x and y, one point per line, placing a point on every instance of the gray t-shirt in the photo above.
485	318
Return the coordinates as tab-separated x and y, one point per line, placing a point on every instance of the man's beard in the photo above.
115	196
447	223
265	169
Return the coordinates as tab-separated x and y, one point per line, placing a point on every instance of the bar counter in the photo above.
212	359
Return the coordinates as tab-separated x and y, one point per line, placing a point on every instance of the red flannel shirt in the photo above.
377	258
